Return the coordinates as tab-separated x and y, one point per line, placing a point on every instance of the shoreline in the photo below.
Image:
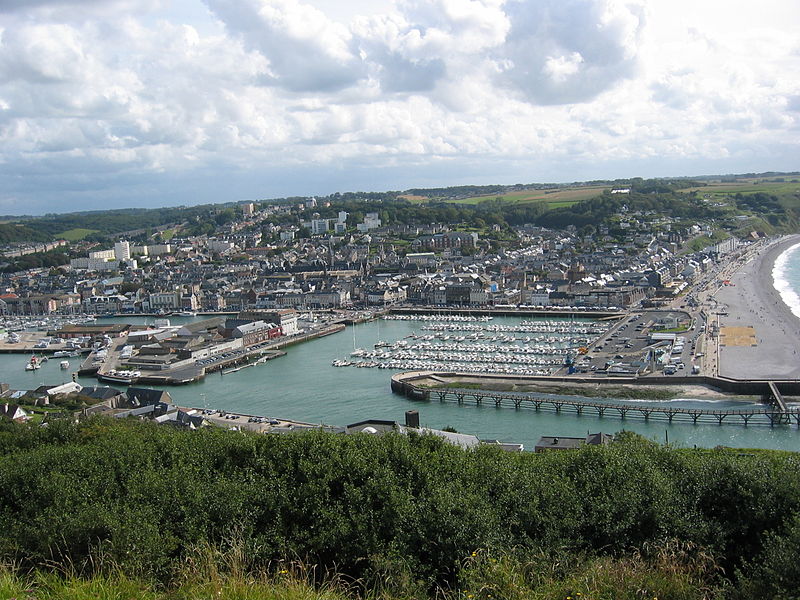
767	331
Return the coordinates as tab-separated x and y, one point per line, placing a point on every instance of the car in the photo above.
618	356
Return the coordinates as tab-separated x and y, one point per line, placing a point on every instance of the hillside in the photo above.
403	512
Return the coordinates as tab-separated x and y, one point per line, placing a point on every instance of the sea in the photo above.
786	277
304	386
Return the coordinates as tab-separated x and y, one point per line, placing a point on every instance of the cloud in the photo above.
513	87
566	51
306	51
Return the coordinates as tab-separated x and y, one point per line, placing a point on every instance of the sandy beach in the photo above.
760	336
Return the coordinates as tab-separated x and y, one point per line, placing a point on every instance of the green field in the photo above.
555	198
74	235
750	186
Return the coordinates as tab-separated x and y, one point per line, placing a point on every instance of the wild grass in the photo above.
667	571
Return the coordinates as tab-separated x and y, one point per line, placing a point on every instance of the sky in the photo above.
148	103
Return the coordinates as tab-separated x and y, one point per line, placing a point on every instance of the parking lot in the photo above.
624	349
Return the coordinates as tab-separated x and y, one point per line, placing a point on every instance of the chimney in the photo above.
412	419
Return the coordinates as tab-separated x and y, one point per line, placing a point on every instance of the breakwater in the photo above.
421	385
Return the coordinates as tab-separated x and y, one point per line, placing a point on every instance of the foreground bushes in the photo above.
410	511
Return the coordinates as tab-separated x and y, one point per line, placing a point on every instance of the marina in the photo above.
470	344
301	384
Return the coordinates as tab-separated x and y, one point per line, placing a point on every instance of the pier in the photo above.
769	415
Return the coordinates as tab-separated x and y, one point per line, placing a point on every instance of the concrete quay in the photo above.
190	370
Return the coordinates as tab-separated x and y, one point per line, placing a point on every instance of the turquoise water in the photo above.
786	276
304	386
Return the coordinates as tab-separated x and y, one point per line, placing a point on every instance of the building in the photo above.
319	226
13	412
440	241
248	209
286	319
546	443
371	221
122	251
256	332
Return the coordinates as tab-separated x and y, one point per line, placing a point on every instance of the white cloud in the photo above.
306	50
88	101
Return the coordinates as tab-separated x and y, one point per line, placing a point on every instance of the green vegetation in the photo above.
771	200
10	232
74	235
58	403
670	571
98	225
190	513
564	196
703	241
51	258
593	390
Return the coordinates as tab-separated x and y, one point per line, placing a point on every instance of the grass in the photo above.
749	186
414	199
554	198
594	390
74	235
670	570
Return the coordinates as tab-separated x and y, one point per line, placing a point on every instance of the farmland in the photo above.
749	186
555	197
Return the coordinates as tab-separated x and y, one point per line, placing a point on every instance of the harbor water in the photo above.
305	386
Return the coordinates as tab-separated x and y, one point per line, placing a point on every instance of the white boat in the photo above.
64	364
123	377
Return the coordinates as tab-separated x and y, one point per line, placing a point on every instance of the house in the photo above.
546	442
101	393
147	397
13	412
464	440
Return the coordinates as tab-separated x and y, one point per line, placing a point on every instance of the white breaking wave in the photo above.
782	284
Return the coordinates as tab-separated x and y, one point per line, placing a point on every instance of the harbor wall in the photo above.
403	383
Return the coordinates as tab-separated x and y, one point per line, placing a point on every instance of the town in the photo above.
266	275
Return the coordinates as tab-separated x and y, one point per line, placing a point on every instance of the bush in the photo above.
408	509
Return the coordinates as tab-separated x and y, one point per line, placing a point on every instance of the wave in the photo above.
724	403
781	283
